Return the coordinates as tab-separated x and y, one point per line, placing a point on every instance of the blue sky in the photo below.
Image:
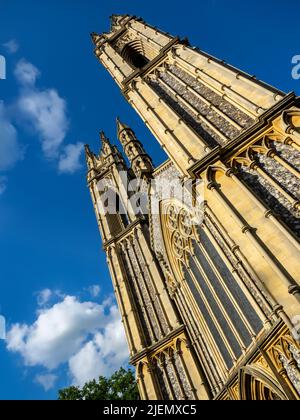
50	249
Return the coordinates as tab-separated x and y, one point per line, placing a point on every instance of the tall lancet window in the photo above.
226	311
116	213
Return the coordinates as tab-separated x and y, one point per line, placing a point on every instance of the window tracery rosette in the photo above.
182	232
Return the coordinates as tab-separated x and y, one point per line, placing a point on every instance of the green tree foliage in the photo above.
120	386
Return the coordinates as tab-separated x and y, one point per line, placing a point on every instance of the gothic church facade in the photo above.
210	311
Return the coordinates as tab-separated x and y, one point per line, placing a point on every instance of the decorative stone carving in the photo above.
167	174
173	375
179	221
292	372
288	153
285	353
296	353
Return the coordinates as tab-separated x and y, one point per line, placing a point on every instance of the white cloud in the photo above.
57	333
102	355
16	337
47	381
46	111
90	363
94	290
11	46
44	296
10	149
86	364
3	184
86	335
69	161
26	73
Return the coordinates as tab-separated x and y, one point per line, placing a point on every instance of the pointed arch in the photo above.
257	384
138	53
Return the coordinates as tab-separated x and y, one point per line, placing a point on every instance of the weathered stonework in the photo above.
199	105
292	372
210	137
273	198
285	179
164	176
289	154
216	100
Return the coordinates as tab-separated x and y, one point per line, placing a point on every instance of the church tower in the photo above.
223	318
157	339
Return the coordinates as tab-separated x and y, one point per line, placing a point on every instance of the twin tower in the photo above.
211	310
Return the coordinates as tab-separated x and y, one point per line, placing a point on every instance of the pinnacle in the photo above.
121	126
103	137
87	150
95	37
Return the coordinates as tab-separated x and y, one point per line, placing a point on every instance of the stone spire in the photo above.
140	161
107	147
88	152
91	159
109	152
121	126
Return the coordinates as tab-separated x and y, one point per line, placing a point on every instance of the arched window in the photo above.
135	55
225	311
